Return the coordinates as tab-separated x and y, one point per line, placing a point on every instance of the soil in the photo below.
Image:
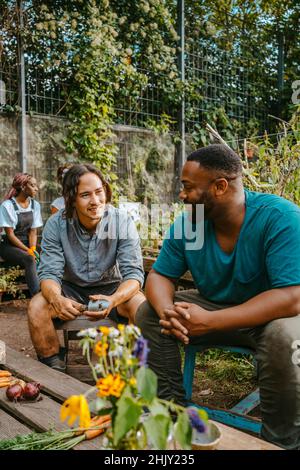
14	329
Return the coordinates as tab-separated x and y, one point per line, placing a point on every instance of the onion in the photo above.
31	391
14	392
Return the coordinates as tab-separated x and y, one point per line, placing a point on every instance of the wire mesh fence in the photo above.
218	79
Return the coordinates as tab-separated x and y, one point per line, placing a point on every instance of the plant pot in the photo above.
208	440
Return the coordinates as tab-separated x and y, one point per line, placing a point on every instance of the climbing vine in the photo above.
106	53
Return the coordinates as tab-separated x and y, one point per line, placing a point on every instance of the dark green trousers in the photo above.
278	372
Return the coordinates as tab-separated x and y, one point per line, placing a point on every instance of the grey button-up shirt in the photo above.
111	254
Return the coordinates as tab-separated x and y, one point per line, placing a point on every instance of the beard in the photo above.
196	213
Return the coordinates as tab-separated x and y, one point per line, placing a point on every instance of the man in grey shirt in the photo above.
90	251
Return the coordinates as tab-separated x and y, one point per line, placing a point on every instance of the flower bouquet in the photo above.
127	393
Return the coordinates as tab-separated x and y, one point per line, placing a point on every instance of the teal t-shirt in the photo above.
266	255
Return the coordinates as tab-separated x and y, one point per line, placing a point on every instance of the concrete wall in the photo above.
144	164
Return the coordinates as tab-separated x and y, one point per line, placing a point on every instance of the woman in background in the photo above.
20	217
59	202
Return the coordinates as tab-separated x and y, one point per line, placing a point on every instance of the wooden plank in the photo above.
57	384
81	372
232	439
82	322
42	416
10	427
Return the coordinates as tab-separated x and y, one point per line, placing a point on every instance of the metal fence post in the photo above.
22	95
180	146
280	70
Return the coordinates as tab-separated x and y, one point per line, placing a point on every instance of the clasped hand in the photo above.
184	319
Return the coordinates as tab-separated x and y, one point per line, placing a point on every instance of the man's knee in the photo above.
281	335
38	308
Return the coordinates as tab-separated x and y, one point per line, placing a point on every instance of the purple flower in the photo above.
141	350
195	420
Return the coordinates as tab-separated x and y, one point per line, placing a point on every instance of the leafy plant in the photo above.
277	166
8	276
126	388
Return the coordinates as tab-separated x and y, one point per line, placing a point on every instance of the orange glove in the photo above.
31	251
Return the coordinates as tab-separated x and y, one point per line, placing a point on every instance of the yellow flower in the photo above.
129	362
121	327
110	385
76	406
104	330
132	381
101	349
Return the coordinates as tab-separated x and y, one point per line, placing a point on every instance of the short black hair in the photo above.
71	181
219	158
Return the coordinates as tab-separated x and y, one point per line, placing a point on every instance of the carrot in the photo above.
102	421
5	379
5	373
4	384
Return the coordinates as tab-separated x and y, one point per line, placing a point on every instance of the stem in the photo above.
87	393
91	364
172	405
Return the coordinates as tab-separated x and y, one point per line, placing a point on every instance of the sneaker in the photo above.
55	362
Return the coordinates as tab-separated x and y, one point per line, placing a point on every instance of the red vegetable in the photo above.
14	392
31	391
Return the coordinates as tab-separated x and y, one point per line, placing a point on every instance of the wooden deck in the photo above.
23	417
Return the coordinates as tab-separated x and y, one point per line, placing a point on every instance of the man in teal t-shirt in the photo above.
245	262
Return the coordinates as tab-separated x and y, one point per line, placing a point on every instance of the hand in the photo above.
187	319
94	316
37	257
172	323
31	251
66	309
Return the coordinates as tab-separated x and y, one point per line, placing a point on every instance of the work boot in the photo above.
55	362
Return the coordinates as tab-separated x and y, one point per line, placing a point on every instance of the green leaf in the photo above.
146	383
157	408
99	404
157	429
127	417
183	431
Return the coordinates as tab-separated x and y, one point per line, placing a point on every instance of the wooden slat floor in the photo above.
56	387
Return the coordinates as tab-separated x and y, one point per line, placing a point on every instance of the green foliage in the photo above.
127	417
109	55
277	163
154	161
8	277
127	388
226	366
183	431
49	440
157	428
147	384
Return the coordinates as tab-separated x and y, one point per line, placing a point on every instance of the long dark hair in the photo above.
70	185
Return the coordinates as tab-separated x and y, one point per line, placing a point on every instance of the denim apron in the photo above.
24	223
